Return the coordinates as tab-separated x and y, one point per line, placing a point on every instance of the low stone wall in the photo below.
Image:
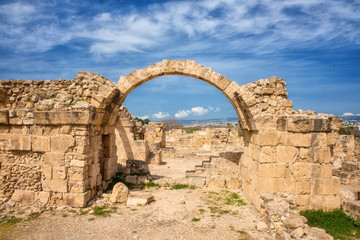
211	140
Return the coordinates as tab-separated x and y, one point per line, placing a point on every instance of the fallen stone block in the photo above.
119	193
140	200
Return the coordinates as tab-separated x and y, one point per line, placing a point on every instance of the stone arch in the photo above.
192	69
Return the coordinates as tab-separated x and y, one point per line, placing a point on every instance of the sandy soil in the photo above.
175	214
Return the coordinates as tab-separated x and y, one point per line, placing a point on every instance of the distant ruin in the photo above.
62	141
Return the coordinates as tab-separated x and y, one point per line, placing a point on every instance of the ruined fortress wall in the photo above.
212	140
67	139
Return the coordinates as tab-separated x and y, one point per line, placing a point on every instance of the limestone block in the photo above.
216	182
272	170
321	125
303	186
77	199
119	193
197	181
42	197
331	138
59	173
61	143
139	200
267	154
54	159
302	140
78	163
322	155
287	154
54	185
268	138
302	170
4	116
23	196
299	123
326	186
271	185
319	140
294	221
286	138
20	143
233	182
46	172
305	155
131	179
302	200
40	144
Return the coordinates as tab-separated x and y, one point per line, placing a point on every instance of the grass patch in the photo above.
34	215
151	184
195	219
9	221
201	210
336	223
82	212
101	212
179	186
65	215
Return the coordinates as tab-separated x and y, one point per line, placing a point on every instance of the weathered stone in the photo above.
139	200
197	181
119	193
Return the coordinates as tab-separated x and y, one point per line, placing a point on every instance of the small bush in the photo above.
344	131
336	223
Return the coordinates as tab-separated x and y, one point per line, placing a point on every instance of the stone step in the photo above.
190	173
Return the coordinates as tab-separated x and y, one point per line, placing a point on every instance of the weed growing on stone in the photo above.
195	219
336	223
82	212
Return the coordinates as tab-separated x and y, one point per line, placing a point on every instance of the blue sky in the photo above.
313	45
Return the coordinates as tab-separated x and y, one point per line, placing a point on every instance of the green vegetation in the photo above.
233	199
151	184
119	177
179	186
195	219
143	121
336	223
344	131
241	134
201	210
9	221
101	212
191	129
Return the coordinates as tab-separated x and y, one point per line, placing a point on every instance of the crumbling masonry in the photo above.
60	139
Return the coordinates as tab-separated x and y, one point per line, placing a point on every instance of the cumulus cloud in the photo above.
199	111
196	111
144	117
182	113
348	114
160	115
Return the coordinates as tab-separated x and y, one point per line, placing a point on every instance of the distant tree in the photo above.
171	124
143	121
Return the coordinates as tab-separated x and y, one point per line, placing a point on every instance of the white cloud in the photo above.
32	27
144	117
358	114
348	114
160	115
182	113
199	111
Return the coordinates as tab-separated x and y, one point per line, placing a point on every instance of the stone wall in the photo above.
210	140
67	132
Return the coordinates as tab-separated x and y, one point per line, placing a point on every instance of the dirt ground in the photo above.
175	214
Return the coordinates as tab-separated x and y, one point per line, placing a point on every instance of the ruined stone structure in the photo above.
203	142
58	138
